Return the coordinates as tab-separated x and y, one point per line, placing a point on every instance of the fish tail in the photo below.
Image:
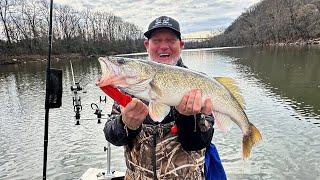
249	140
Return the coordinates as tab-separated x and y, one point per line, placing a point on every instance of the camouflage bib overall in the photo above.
172	161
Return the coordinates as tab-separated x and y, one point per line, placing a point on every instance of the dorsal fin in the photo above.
230	84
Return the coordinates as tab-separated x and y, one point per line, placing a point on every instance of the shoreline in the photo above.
289	43
17	59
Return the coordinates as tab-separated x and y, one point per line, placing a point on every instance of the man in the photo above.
155	150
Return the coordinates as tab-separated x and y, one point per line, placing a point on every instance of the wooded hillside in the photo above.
273	21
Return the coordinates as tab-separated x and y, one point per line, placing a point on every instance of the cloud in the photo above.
193	15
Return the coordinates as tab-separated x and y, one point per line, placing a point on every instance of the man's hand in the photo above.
134	114
191	104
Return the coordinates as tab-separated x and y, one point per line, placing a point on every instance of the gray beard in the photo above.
174	64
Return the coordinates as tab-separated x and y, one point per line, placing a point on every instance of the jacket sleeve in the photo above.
115	131
194	132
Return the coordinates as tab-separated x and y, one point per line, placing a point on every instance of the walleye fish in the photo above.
164	86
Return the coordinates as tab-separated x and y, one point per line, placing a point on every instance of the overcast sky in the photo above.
193	15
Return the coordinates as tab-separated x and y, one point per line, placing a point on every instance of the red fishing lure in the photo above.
116	95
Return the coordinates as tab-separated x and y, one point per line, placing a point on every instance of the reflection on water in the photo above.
292	73
279	86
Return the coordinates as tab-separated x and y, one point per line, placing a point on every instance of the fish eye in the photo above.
121	61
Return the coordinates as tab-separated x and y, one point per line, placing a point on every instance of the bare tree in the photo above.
4	11
26	25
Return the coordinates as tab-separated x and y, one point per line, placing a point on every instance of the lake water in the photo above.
281	87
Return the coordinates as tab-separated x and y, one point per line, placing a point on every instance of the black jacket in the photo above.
190	133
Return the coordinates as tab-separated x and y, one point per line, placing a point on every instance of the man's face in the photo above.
164	47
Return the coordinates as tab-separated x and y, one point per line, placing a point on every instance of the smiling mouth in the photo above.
164	55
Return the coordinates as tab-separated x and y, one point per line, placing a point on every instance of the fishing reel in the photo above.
76	101
97	111
76	87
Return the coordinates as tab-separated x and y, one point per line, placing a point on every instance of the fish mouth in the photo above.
108	67
113	74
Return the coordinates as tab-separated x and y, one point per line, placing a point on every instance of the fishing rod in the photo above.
53	92
76	100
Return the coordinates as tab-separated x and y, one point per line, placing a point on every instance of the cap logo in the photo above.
162	22
165	21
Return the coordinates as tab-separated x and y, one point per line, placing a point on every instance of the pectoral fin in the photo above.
158	111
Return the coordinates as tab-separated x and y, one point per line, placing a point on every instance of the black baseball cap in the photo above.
163	22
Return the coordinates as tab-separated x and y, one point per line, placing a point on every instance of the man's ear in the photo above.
146	43
181	44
